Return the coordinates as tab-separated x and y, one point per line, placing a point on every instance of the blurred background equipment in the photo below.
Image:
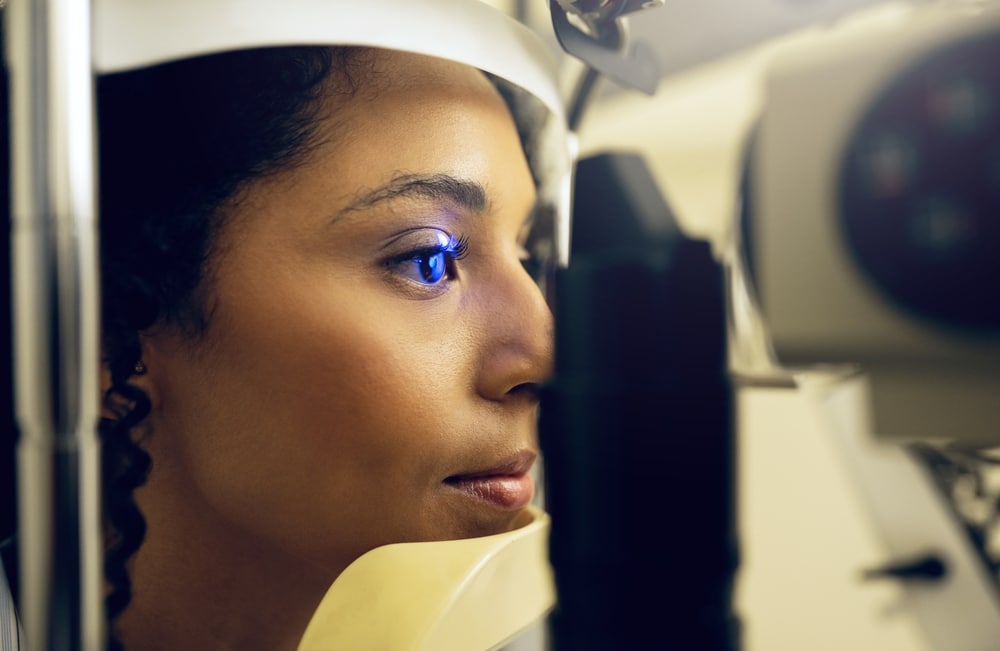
53	238
871	215
862	265
871	242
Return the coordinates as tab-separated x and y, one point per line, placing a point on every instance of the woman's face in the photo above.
369	370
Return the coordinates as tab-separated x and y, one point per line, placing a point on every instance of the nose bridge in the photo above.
519	330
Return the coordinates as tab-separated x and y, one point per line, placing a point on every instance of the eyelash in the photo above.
430	268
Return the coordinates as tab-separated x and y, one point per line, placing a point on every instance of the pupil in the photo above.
432	267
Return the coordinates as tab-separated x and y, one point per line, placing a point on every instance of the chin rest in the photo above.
473	594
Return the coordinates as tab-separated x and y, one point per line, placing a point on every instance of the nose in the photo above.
518	335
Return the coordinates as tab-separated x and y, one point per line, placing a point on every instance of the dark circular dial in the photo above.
919	194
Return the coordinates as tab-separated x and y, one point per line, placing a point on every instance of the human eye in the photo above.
431	260
529	260
536	241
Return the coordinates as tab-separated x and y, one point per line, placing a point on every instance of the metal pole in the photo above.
55	299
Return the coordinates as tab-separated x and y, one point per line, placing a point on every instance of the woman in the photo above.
319	336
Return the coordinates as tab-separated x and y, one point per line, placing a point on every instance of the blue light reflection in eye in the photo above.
431	267
434	264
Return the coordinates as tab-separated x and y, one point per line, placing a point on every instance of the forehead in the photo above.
381	84
418	86
402	72
409	113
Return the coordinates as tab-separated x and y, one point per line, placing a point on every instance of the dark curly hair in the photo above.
176	141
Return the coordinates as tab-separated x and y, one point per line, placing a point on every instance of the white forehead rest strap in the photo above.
135	33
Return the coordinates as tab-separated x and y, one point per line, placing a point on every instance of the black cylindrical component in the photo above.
637	432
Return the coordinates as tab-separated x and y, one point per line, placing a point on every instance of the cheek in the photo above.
321	436
314	394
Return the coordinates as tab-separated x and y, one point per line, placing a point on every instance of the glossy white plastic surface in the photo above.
474	594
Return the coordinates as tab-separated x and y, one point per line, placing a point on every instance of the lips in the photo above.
507	486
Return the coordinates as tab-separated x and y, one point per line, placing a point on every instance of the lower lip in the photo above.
507	492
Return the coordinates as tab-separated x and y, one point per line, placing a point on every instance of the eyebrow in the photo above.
439	187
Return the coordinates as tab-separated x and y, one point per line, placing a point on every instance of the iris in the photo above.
432	265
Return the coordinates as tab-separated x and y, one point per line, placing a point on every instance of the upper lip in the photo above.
517	464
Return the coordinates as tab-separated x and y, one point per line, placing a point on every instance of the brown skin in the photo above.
335	390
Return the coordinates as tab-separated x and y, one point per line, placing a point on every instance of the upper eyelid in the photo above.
457	244
415	233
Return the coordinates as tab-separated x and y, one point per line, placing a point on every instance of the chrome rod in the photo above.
55	323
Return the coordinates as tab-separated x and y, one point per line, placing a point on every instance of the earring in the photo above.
139	368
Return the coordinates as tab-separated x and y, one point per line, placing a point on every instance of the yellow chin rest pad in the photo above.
474	594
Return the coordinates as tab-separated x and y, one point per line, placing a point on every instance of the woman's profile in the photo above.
319	335
316	349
